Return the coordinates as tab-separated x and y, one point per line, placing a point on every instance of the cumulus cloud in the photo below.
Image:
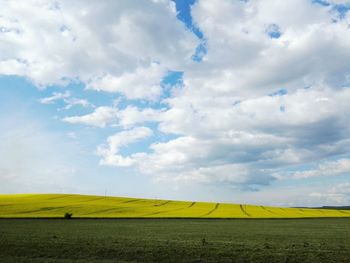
233	121
108	45
110	152
131	116
113	116
244	61
144	83
338	167
270	94
234	90
100	117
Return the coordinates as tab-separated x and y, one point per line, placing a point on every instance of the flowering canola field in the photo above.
88	206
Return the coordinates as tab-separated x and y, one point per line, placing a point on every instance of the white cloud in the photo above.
67	99
131	116
109	45
228	174
75	101
113	116
227	93
55	96
192	160
101	117
334	168
110	152
144	83
229	121
243	61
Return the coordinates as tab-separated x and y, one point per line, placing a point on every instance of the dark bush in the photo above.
68	215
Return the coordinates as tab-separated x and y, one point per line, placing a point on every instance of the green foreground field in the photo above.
175	240
85	206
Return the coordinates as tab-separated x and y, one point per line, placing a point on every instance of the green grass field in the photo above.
116	229
84	206
175	240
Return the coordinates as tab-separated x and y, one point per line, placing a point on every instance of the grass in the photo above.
175	240
151	231
85	206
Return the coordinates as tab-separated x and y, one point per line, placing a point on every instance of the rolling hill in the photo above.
88	206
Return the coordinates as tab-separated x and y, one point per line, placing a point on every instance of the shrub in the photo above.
68	215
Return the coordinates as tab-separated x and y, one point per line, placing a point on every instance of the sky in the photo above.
240	101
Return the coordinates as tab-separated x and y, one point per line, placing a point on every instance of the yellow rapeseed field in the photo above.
88	206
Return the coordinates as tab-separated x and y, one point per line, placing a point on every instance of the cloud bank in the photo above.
270	92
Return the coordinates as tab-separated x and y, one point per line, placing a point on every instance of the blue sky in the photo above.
234	101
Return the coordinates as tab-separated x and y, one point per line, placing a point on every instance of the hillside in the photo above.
335	207
87	206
